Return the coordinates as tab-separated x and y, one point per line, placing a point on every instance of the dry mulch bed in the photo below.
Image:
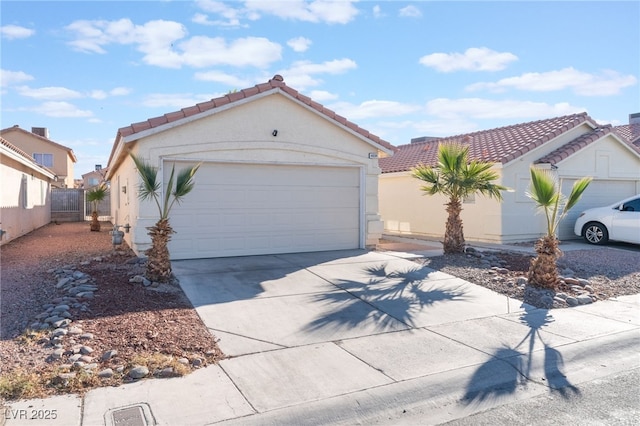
128	317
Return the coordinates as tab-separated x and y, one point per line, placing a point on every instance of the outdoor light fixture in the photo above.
275	133
124	189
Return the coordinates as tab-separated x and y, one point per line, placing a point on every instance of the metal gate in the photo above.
67	204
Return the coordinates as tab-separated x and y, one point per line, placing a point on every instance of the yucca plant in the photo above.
94	196
546	191
158	261
457	178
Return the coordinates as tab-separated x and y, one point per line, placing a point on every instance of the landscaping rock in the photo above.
138	372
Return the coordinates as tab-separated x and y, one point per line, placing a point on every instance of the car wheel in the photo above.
595	233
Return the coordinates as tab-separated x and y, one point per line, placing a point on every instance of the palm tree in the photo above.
158	261
94	196
457	178
546	191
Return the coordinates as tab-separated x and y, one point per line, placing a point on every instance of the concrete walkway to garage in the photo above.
358	336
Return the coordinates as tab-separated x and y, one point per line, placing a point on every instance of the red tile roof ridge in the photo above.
498	145
275	83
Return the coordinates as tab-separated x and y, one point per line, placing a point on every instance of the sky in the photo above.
399	69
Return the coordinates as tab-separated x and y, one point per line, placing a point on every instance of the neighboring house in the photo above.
630	132
94	177
24	193
45	152
573	146
279	173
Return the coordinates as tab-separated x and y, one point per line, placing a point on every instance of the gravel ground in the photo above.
611	272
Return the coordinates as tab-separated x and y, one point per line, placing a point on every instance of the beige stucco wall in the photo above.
405	210
17	215
62	162
244	134
615	168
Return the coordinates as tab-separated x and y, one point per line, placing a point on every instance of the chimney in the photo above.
98	167
634	118
40	131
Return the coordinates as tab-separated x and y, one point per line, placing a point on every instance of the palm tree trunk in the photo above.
543	272
95	223
453	234
158	262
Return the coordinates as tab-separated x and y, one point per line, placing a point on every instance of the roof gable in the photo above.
276	84
500	145
18	129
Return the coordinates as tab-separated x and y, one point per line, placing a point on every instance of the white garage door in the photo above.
599	193
249	209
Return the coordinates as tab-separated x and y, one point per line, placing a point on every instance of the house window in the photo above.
45	160
469	199
93	181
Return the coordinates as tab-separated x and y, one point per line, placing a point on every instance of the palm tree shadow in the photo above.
512	367
389	297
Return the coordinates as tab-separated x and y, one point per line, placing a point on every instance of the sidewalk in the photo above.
360	338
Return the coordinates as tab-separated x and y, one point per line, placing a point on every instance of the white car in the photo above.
617	222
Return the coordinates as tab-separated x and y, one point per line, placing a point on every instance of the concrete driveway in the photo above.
261	303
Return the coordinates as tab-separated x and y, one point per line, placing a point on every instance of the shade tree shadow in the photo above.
515	366
391	297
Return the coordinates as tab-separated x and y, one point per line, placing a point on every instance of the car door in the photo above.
625	225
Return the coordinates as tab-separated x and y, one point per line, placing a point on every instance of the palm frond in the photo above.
150	185
576	192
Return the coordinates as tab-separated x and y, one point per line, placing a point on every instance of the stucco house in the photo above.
94	177
24	194
279	173
573	146
45	152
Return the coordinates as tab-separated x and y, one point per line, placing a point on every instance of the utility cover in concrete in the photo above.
135	415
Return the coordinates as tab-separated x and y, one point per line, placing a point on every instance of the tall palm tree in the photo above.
457	178
158	260
546	191
94	196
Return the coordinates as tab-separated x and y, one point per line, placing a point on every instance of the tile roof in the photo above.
276	83
500	145
629	132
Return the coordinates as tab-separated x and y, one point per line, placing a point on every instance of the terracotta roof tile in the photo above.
629	132
499	145
276	82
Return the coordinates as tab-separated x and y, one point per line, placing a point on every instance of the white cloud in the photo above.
224	78
173	100
322	96
159	41
410	12
202	19
582	83
13	32
473	59
299	44
61	109
119	91
372	109
325	11
477	108
49	93
377	12
9	78
203	51
300	74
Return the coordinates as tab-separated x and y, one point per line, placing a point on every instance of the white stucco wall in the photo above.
244	134
17	215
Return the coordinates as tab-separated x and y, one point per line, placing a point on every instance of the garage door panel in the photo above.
261	209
